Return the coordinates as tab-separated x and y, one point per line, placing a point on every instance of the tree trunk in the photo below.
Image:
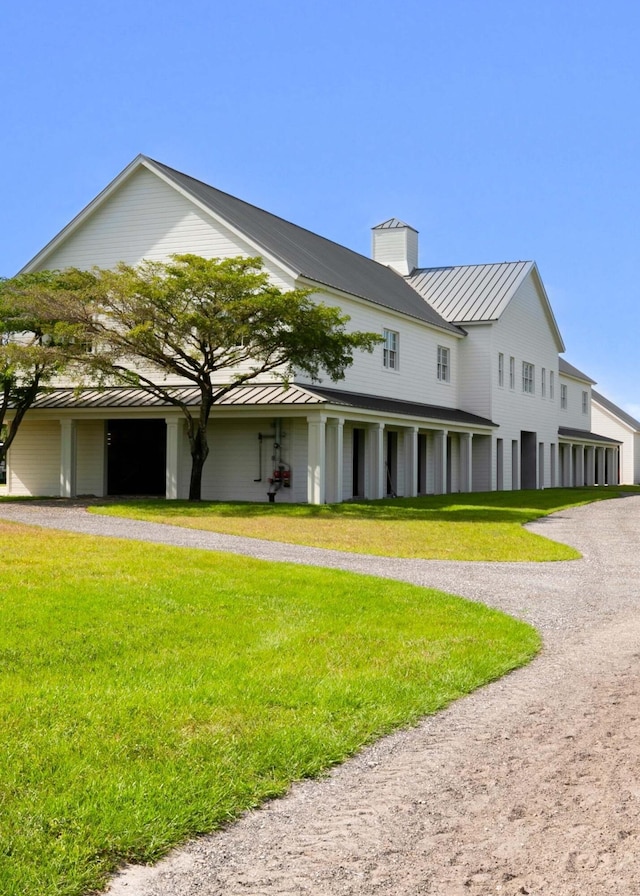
199	454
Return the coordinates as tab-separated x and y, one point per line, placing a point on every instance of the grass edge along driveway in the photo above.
477	526
150	694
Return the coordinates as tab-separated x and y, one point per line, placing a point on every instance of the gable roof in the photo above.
311	256
477	293
569	370
304	253
615	410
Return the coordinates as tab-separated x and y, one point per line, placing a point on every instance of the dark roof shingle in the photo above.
311	256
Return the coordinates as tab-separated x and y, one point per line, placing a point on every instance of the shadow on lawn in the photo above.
487	507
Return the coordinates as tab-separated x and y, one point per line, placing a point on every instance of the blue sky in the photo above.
499	130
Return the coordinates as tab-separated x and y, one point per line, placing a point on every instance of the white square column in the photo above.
67	458
335	460
375	477
466	461
567	466
601	472
411	461
590	465
579	470
316	459
175	428
441	461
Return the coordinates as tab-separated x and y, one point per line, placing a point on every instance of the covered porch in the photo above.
297	444
586	458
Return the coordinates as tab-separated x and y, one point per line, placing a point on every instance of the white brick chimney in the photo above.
395	244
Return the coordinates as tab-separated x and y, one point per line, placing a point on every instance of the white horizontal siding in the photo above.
147	218
524	333
233	462
606	424
573	415
416	376
34	460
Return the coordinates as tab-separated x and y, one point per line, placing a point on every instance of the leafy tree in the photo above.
214	323
38	341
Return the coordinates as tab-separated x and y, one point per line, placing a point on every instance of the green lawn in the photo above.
148	694
478	526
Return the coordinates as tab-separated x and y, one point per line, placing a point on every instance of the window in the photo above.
585	402
500	369
528	374
543	383
443	364
390	350
551	384
512	372
563	396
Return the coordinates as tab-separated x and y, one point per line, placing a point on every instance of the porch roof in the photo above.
583	435
397	406
252	395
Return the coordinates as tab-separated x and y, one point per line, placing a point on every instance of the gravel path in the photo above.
528	785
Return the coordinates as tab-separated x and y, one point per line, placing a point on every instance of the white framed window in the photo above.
551	384
444	370
390	350
585	402
528	378
512	372
500	369
543	382
563	396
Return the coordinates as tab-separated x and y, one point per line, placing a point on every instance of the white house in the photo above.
463	395
612	421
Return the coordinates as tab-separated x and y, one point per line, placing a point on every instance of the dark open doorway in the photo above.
136	457
358	463
528	458
391	465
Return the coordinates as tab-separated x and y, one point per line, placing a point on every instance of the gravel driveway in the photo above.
528	786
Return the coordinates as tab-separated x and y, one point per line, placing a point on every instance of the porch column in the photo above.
611	466
590	465
335	459
175	426
316	459
67	458
375	461
579	471
441	461
466	462
602	476
567	466
411	462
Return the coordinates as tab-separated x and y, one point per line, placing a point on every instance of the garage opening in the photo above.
528	457
136	457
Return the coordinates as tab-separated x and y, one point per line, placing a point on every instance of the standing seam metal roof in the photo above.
466	293
250	395
311	256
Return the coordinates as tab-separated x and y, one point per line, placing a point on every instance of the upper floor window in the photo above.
444	370
551	384
528	381
585	402
563	396
390	349
500	369
543	383
512	372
